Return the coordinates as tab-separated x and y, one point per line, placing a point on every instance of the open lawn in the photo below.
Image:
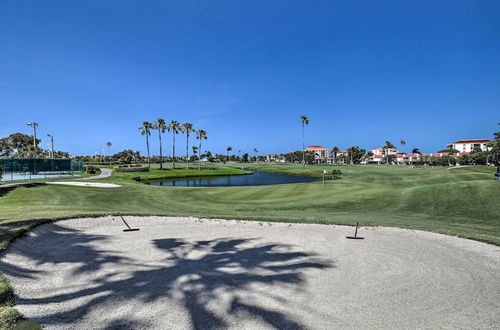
459	201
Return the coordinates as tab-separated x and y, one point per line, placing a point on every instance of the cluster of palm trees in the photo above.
175	127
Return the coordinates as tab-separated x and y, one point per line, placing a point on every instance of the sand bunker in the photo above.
185	273
86	184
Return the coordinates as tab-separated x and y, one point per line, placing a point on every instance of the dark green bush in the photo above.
133	169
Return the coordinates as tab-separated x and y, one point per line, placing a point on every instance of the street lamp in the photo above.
52	145
34	125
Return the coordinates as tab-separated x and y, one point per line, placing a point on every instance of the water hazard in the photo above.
258	178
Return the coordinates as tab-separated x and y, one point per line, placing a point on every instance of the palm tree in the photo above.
388	145
146	130
255	151
108	144
305	121
228	149
174	127
187	128
335	150
402	143
200	135
161	126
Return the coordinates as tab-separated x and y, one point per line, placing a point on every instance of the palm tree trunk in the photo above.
303	147
147	146
173	152
161	153
199	156
187	150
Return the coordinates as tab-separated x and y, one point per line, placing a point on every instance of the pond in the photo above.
258	178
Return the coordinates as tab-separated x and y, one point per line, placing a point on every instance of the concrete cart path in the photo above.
187	273
105	172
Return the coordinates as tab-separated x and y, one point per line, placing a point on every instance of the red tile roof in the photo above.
472	141
311	148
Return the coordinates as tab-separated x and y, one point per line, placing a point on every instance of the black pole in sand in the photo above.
355	234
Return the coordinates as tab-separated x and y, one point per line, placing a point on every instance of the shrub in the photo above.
9	316
90	169
6	292
133	169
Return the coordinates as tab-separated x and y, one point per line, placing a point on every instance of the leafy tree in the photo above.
255	151
200	135
245	158
450	151
305	121
356	154
146	130
187	128
175	128
161	126
298	157
416	151
126	156
18	144
494	153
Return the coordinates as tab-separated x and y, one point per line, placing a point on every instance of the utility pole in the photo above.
34	125
51	145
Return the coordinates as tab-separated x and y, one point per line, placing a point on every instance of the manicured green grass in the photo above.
461	201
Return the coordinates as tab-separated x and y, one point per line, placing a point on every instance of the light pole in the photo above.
34	125
51	145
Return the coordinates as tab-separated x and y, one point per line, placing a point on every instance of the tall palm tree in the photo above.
335	151
108	144
161	126
174	127
256	152
228	149
388	145
200	135
146	130
187	128
402	143
305	121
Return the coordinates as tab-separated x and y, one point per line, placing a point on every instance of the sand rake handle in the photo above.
128	227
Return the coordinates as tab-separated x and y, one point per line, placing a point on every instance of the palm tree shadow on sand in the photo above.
230	266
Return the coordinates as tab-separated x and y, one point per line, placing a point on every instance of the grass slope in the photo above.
460	201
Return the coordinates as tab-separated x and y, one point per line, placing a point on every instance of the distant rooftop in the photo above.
472	141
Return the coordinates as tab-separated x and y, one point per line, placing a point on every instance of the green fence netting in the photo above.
38	168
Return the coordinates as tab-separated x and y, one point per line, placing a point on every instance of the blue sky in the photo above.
364	72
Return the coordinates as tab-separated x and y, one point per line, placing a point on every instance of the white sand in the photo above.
185	273
86	184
